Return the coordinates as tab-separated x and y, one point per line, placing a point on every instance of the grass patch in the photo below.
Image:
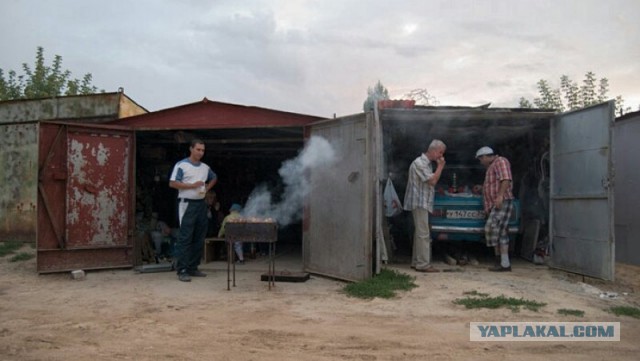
625	311
497	302
22	256
9	247
570	312
475	293
383	285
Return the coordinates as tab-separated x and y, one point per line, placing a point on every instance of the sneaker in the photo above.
240	261
184	277
197	273
499	268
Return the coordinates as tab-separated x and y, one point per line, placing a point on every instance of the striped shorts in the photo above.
495	230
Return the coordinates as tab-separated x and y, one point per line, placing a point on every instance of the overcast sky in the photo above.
319	56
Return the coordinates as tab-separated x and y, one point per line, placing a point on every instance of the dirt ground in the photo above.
124	315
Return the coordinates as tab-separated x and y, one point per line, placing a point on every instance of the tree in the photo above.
570	96
378	92
43	81
421	96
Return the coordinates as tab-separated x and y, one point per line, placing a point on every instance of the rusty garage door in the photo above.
85	197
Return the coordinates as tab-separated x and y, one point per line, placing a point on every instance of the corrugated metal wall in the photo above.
627	189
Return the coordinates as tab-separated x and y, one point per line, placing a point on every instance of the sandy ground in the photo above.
123	315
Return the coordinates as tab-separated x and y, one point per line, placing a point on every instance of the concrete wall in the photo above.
92	108
19	181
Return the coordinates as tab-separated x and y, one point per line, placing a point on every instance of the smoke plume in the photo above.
317	156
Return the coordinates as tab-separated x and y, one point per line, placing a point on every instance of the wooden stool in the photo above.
208	248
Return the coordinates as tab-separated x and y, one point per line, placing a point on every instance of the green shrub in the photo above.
383	285
9	247
570	312
501	301
625	311
22	256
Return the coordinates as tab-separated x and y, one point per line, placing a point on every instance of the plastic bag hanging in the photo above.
392	204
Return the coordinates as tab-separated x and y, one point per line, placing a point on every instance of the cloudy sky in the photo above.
319	56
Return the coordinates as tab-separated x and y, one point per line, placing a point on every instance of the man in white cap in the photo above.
418	199
497	193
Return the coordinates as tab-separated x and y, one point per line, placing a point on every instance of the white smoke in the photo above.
317	156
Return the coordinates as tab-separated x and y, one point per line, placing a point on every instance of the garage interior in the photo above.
242	158
245	158
520	135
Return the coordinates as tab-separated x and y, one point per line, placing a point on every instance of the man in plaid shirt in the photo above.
418	199
497	192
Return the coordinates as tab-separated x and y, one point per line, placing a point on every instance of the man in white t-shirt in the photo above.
193	179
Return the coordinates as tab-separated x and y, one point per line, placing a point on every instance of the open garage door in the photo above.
85	197
338	223
582	238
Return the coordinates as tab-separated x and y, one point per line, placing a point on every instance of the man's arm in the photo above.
211	184
436	175
180	185
212	179
504	174
504	185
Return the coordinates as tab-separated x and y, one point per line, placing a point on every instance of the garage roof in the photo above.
207	114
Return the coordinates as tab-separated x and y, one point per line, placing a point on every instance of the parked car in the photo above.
461	217
458	211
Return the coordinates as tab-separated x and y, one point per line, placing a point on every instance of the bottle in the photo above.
454	183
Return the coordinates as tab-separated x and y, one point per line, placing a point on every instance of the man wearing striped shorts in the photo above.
497	193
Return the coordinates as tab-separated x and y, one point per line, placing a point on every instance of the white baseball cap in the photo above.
484	151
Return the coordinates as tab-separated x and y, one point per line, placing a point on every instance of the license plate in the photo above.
463	213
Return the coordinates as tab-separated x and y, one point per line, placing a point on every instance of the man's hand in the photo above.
436	176
499	200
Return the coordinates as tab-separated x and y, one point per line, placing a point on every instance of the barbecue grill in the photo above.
251	230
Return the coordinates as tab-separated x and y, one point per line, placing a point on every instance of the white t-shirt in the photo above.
187	172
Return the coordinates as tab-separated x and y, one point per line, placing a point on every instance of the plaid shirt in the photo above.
419	194
499	170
